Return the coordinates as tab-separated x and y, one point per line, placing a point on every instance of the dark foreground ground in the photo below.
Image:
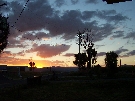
68	87
92	90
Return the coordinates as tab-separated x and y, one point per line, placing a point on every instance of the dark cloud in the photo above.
2	2
34	17
14	39
101	54
108	15
4	7
128	54
42	35
67	24
91	1
14	42
109	12
78	26
62	25
69	54
59	3
29	36
45	50
118	34
131	53
32	36
87	15
102	32
130	35
40	15
117	18
111	16
74	1
121	51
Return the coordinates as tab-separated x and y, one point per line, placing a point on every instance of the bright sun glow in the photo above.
39	66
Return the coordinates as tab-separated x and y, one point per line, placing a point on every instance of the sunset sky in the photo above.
45	30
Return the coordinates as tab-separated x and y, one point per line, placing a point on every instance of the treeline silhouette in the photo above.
86	61
4	32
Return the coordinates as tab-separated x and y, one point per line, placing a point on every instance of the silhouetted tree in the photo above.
32	66
91	56
85	58
111	63
97	70
82	60
4	32
85	39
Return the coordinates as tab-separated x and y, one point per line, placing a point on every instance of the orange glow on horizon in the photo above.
40	65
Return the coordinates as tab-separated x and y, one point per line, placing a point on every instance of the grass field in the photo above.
95	90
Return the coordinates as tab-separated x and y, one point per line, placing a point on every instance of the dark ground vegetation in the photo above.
76	86
98	90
